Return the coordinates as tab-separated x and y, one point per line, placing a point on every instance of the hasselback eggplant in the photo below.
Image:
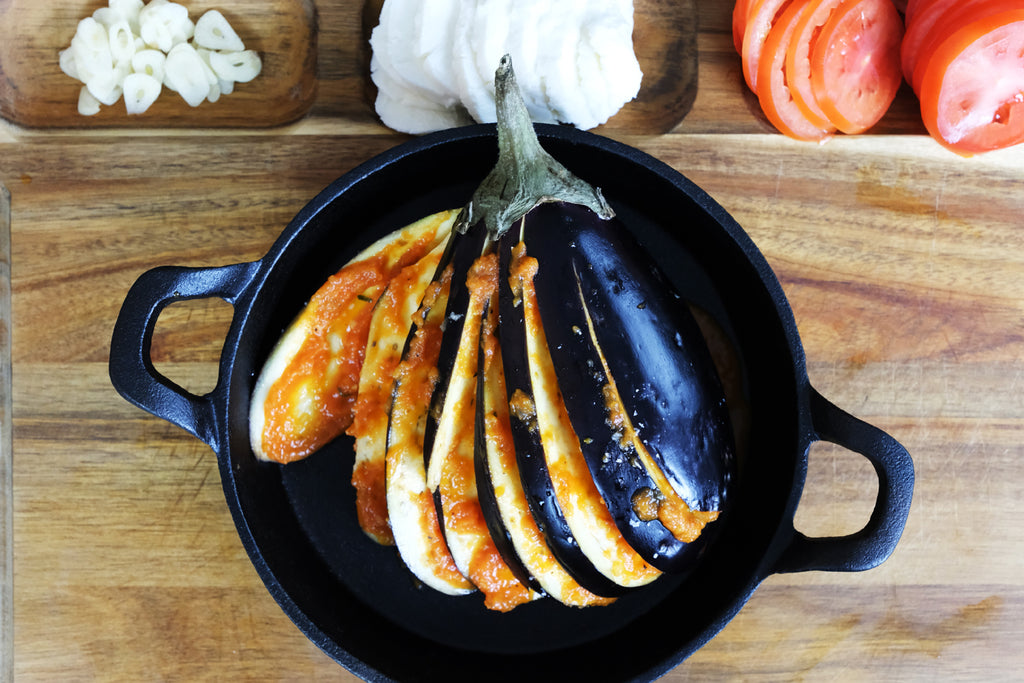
538	411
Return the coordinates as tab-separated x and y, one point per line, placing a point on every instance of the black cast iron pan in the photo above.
352	597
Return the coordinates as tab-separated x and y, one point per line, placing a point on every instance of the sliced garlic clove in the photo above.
128	10
211	75
105	86
214	94
67	63
140	91
226	86
165	25
149	62
87	104
213	31
105	16
122	41
91	49
185	72
156	34
240	67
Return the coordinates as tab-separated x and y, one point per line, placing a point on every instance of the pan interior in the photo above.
353	597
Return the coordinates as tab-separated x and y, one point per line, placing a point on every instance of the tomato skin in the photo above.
855	63
932	23
739	23
961	111
759	22
956	16
814	15
775	86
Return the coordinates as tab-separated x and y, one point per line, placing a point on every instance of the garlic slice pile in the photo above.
134	50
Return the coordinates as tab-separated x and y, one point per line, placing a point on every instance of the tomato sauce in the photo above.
415	379
371	503
313	399
389	328
578	496
468	536
528	539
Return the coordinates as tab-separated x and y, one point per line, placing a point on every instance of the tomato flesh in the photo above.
739	23
966	11
972	114
775	87
814	15
760	18
855	63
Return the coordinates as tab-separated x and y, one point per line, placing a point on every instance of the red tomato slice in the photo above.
798	58
910	10
855	63
965	12
759	21
972	92
933	22
774	87
739	23
918	28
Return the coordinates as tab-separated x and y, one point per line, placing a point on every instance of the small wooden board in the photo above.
35	93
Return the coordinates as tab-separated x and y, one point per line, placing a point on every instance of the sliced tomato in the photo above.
964	12
775	89
972	91
760	18
927	15
811	18
933	22
739	23
910	10
855	63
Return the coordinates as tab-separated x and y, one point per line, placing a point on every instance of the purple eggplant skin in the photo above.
544	506
657	358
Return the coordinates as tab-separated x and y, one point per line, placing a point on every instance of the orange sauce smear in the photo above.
339	317
537	557
416	377
371	501
460	502
370	414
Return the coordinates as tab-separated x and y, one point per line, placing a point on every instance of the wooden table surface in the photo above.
903	263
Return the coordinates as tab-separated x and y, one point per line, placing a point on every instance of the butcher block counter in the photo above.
903	264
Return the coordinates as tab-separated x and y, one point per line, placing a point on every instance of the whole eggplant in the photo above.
555	425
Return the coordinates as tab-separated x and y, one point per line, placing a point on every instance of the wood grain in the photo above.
34	92
903	264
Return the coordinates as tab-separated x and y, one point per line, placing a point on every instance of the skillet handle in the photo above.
873	544
131	367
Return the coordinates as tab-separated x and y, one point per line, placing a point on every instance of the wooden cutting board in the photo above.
903	263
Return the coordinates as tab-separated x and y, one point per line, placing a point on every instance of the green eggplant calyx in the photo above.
525	174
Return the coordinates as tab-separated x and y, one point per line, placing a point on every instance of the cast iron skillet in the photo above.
352	597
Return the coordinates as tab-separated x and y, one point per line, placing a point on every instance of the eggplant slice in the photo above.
307	388
450	434
389	328
553	424
502	496
411	510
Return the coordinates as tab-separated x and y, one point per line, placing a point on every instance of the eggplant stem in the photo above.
525	174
